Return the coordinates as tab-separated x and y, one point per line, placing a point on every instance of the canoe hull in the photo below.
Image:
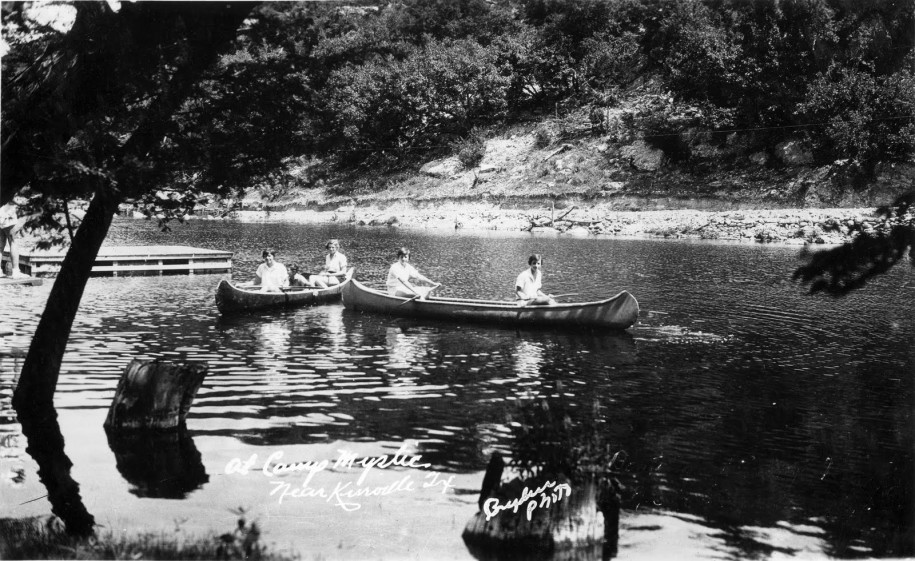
619	312
234	299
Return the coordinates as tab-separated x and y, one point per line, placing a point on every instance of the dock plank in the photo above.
128	260
30	281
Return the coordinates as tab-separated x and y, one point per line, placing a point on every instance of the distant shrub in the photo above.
861	111
542	137
471	150
388	106
611	61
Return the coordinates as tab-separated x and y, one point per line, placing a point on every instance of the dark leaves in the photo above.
846	268
552	437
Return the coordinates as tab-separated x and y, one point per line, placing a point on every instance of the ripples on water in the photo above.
752	414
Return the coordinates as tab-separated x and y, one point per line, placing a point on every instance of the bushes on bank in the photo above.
865	118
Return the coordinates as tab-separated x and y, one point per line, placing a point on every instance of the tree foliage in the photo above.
390	105
865	118
760	64
551	438
850	266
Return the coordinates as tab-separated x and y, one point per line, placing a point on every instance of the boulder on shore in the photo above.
442	169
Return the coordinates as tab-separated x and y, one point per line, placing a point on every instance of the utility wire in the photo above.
704	131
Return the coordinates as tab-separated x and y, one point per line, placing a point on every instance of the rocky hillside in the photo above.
589	158
579	176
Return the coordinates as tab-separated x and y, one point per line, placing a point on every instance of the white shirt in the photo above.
273	278
528	283
8	215
335	263
400	271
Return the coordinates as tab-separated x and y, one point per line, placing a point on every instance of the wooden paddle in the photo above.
298	288
553	296
566	294
419	295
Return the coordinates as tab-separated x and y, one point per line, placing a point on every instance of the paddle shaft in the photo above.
419	295
551	296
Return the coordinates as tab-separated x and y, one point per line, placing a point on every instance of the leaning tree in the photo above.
151	103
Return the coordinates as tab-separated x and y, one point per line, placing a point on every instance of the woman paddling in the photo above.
334	265
400	274
527	286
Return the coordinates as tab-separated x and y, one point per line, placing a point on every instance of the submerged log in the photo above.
544	514
154	395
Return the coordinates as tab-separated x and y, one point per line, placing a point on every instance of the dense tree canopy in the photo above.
749	64
364	81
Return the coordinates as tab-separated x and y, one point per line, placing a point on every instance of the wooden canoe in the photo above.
618	312
231	298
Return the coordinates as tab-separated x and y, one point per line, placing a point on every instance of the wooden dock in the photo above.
30	281
143	260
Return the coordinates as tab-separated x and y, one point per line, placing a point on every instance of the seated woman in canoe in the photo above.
334	267
271	275
527	286
401	273
296	278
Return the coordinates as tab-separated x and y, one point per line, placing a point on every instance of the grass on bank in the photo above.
45	538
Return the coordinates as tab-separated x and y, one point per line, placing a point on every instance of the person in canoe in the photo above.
272	276
334	266
296	278
401	273
527	286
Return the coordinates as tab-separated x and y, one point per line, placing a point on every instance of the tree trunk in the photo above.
215	26
35	392
558	521
33	398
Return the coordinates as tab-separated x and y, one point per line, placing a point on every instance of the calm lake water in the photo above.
757	421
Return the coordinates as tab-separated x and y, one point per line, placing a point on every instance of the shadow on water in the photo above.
159	465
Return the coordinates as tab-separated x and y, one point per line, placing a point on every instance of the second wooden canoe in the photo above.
231	298
618	312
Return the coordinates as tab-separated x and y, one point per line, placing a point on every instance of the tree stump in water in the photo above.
154	395
547	513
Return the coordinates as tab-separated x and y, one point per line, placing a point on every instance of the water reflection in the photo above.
274	351
46	447
159	465
404	348
345	374
528	359
585	553
45	444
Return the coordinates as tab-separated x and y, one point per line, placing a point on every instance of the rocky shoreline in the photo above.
784	226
